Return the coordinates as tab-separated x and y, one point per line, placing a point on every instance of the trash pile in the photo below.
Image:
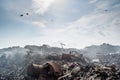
54	70
57	67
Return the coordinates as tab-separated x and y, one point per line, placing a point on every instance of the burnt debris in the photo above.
57	67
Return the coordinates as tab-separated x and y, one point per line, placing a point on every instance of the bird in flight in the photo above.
21	15
27	13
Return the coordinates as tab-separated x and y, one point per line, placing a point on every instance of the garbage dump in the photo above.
72	70
61	67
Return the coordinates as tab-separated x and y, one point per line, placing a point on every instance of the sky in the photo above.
76	23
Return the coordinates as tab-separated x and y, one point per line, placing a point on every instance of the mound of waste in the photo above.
58	67
54	70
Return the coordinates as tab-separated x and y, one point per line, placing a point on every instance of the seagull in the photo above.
21	15
27	13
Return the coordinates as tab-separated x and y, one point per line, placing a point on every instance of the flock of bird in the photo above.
25	14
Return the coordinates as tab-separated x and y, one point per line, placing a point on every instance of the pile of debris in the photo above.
53	70
15	68
56	67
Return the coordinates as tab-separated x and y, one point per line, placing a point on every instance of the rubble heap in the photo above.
59	67
53	70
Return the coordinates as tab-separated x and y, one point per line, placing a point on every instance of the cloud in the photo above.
39	24
93	28
93	1
41	6
99	25
105	4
